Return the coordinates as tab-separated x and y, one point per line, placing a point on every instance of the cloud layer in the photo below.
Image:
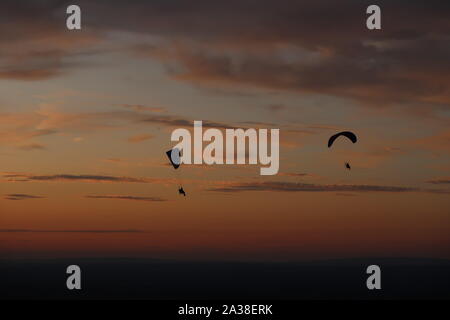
440	181
307	187
306	47
124	197
23	177
21	196
69	231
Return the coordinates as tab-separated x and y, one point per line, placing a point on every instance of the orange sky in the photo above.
86	118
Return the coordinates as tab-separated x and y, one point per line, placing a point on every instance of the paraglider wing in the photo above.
348	134
174	157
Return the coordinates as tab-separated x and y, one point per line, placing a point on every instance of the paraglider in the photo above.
349	135
174	157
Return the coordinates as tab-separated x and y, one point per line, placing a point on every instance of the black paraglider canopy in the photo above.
174	157
347	134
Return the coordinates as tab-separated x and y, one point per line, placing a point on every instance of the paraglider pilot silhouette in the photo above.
349	135
174	157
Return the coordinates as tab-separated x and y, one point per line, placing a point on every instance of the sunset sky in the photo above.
86	117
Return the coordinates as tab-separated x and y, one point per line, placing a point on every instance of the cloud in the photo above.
293	174
40	48
70	231
140	108
53	120
139	138
307	187
276	107
122	197
21	129
20	196
87	178
23	177
339	189
173	121
284	46
353	77
32	146
271	45
440	181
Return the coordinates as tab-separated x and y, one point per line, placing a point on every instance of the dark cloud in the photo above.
21	196
69	231
172	121
307	187
276	107
340	189
293	174
141	108
389	81
139	138
440	181
35	43
70	177
32	146
122	197
308	47
259	124
319	47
